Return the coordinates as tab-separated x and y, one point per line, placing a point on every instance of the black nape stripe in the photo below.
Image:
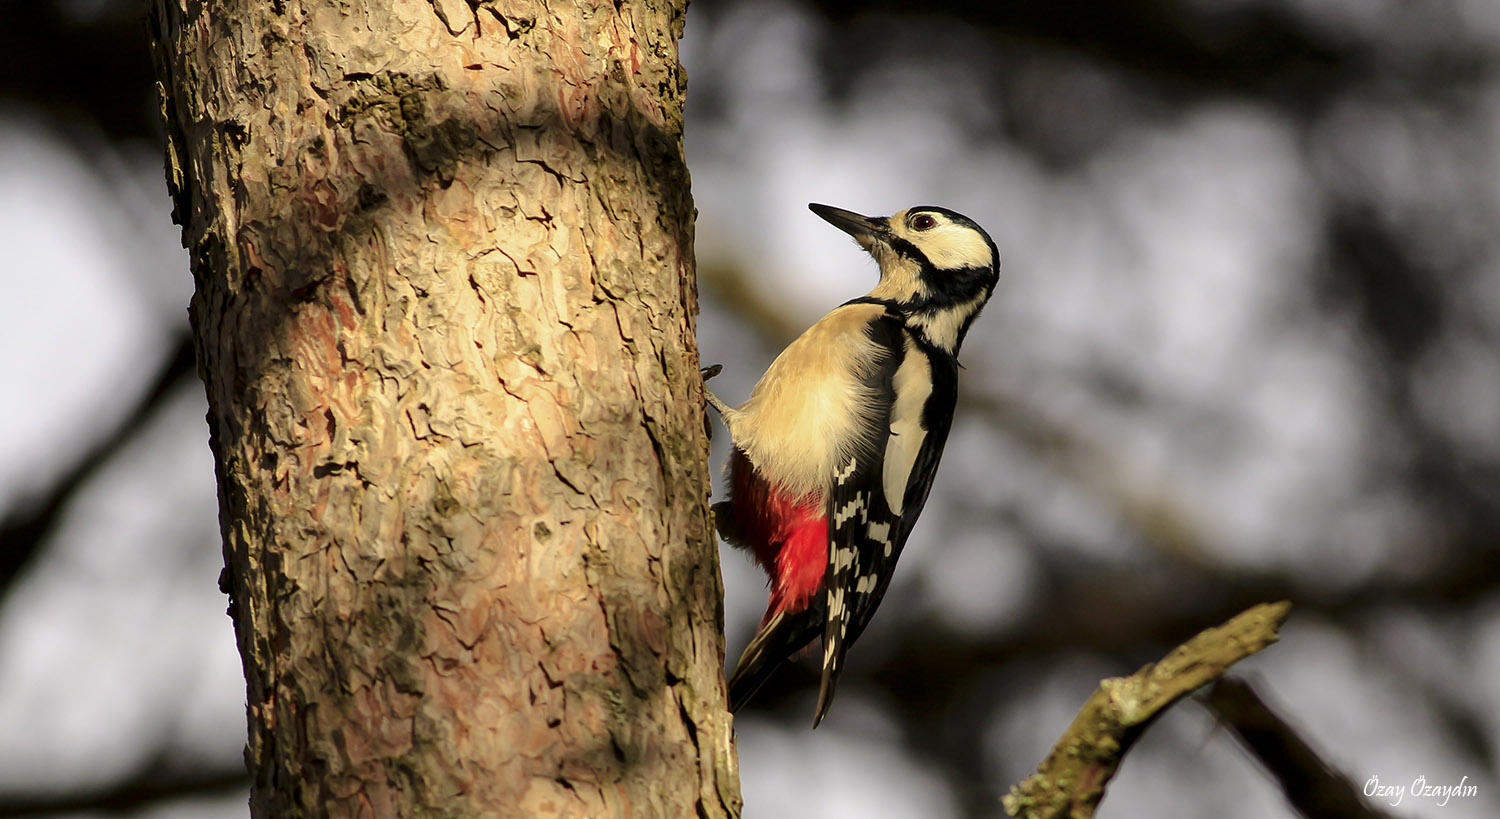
893	307
952	285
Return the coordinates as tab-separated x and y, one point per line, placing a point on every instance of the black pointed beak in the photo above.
864	228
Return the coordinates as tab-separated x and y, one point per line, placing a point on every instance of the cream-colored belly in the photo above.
810	412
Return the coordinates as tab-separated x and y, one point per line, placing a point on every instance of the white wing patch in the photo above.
913	385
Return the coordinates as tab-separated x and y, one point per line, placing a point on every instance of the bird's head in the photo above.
936	265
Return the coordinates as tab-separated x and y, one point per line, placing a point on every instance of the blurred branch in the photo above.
1256	51
730	286
1311	785
149	788
26	528
1071	781
1162	524
1466	722
1113	611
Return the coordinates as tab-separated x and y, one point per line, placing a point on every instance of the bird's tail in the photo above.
780	636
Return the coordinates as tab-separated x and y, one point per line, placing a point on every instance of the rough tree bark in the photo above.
444	313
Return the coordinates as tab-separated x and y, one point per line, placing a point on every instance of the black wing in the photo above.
937	419
861	526
865	536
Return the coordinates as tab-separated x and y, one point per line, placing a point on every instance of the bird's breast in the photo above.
811	410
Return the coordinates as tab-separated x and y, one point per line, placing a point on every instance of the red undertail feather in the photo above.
788	535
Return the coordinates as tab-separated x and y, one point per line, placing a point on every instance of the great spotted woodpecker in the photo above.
836	450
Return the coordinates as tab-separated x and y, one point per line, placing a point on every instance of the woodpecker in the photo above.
835	451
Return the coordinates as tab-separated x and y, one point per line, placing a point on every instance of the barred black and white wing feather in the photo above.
875	500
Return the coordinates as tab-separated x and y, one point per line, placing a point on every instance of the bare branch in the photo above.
1072	779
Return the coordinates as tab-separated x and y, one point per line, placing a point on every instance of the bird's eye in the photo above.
923	222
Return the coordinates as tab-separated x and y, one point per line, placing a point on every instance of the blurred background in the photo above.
1244	349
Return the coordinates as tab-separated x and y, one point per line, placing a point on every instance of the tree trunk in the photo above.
444	313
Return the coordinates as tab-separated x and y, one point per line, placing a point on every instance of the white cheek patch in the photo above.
952	246
913	385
